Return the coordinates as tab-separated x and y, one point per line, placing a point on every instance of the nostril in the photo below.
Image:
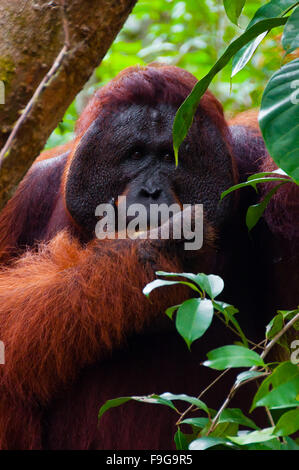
150	193
156	194
144	193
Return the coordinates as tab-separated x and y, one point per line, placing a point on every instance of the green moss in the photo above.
7	69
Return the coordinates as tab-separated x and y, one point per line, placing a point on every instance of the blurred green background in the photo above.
191	34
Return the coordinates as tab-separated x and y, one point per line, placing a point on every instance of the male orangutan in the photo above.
76	327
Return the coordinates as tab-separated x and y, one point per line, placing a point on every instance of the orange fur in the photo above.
64	304
46	154
54	321
247	118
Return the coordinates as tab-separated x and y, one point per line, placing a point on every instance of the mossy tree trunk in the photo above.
31	37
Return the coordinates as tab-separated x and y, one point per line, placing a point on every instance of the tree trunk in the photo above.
31	37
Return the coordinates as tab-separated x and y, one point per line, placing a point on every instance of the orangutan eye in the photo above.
168	156
136	155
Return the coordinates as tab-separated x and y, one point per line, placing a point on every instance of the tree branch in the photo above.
235	387
69	46
43	84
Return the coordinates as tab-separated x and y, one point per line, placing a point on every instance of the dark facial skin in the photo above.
130	152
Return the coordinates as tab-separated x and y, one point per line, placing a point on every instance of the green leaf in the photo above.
187	398
170	311
288	423
275	325
278	171
248	374
162	283
235	415
254	436
255	212
155	400
198	423
244	55
279	118
273	444
180	440
275	8
290	444
227	309
253	182
216	285
185	113
234	9
112	404
290	37
210	283
157	283
152	399
203	443
288	315
225	429
193	318
232	356
228	312
280	389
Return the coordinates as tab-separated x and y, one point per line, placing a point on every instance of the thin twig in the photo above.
270	417
43	84
235	387
65	24
237	333
200	395
271	421
230	396
190	408
279	334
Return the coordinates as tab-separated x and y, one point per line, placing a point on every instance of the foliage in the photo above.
279	97
229	428
279	112
180	33
185	114
279	117
255	211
